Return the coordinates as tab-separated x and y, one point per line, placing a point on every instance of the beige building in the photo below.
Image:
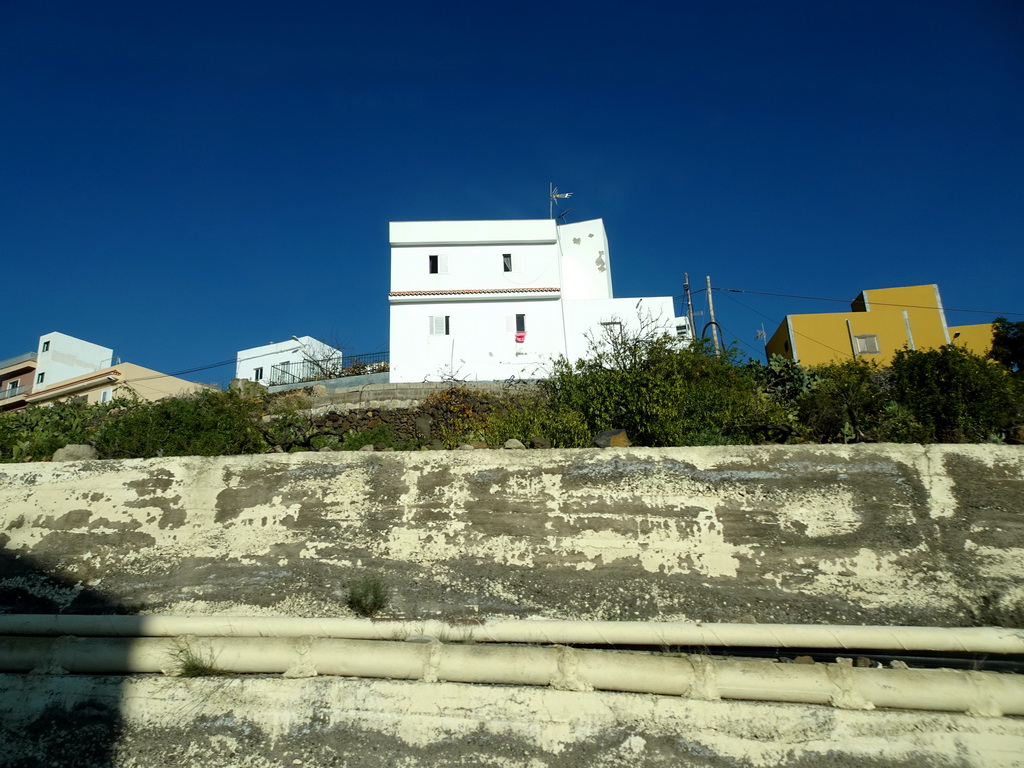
103	385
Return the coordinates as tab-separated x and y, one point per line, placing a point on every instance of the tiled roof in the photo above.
472	291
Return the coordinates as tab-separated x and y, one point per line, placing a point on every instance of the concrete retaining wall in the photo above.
271	722
857	534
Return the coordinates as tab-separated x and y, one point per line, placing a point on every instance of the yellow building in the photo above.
880	322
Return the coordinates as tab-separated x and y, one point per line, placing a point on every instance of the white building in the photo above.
284	362
487	300
60	357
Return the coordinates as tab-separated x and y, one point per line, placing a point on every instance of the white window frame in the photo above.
40	377
440	325
866	344
46	346
507	264
257	373
107	395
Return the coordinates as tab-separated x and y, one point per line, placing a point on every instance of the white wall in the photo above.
255	363
583	318
62	357
470	256
496	232
586	266
474	291
481	342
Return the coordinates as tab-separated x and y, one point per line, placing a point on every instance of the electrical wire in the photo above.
778	322
873	303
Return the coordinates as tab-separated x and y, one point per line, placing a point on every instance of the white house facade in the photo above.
60	357
489	300
284	361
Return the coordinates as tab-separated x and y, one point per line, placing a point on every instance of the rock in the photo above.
514	445
612	438
539	442
436	445
75	453
897	664
423	425
863	661
1016	435
367	448
479	445
844	661
247	388
804	660
466	447
319	390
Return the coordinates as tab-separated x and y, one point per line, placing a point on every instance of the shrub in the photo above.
35	432
382	434
956	395
208	423
369	596
457	414
660	393
846	404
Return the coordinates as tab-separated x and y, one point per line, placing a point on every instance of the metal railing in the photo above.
14	392
328	368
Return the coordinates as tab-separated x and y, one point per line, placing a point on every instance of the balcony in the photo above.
328	369
14	392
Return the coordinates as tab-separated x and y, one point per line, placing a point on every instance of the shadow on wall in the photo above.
48	718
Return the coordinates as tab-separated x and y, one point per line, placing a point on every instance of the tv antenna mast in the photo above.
553	197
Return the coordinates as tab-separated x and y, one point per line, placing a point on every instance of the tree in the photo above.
1008	344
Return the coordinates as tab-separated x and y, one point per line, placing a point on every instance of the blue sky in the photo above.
180	180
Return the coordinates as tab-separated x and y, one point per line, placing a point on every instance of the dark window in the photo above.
257	374
46	346
433	264
506	261
520	323
40	377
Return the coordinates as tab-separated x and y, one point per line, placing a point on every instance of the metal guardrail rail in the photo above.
328	368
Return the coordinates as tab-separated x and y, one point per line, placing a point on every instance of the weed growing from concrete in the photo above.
189	662
369	596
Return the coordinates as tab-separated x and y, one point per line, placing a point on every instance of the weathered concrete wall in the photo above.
857	534
259	722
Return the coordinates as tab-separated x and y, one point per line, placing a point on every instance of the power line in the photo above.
873	303
773	320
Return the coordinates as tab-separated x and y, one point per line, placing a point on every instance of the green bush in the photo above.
526	412
955	395
36	432
382	434
208	423
659	392
369	596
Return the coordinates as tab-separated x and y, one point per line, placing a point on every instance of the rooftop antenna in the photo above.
553	197
563	214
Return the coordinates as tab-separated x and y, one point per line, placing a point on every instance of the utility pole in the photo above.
689	304
713	324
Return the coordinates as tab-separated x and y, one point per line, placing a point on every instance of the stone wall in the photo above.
854	534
